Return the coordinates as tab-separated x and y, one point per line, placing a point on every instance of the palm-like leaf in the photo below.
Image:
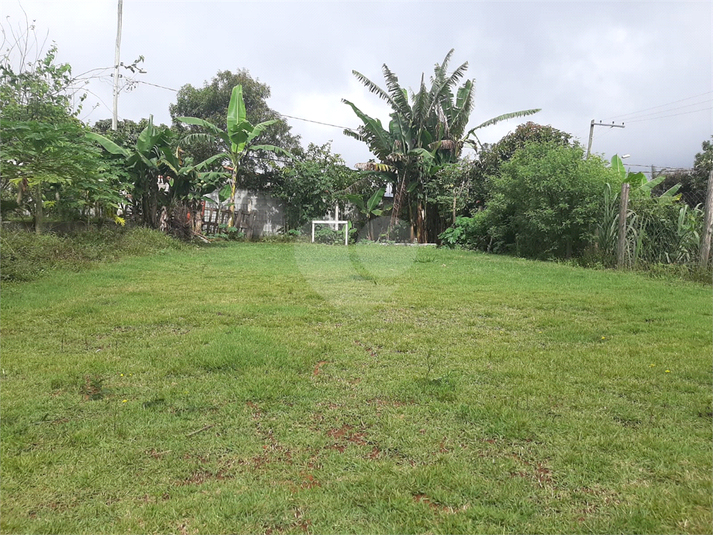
373	88
108	144
201	136
236	111
504	117
209	161
421	105
195	121
399	96
259	129
273	149
460	113
380	141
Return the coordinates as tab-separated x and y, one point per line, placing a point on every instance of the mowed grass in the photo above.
277	388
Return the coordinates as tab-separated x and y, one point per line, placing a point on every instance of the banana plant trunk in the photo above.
398	200
150	203
421	234
233	189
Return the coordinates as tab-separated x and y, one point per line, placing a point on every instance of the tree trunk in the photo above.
39	209
149	203
398	199
421	234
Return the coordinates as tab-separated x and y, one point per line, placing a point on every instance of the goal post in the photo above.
333	222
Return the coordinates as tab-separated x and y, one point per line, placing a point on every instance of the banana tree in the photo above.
429	126
369	208
145	162
640	183
238	138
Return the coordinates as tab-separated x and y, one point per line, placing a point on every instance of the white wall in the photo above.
270	217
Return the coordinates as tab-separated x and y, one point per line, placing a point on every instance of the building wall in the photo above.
270	216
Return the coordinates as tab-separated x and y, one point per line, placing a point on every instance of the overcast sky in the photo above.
647	64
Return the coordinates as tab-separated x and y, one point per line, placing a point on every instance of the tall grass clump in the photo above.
663	236
26	256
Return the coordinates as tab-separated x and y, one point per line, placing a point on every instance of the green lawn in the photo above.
277	388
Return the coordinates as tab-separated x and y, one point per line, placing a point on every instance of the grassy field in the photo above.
258	388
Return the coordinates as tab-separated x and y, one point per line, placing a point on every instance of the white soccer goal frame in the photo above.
335	223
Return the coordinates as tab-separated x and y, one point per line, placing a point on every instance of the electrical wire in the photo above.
637	117
658	168
155	85
665	116
660	106
316	122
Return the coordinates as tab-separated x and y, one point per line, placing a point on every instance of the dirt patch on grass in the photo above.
437	507
536	471
203	476
346	434
318	367
367	348
595	497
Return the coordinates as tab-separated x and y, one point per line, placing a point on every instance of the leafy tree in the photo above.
127	131
45	159
694	183
424	132
703	162
546	200
211	102
43	146
452	189
492	157
54	159
312	184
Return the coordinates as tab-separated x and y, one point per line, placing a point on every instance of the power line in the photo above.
155	85
316	122
674	115
637	117
661	106
658	168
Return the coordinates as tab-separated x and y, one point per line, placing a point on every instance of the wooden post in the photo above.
621	244
707	224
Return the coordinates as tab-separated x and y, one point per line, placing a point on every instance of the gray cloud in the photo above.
576	60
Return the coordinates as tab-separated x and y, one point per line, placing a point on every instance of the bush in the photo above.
546	201
27	256
328	236
468	232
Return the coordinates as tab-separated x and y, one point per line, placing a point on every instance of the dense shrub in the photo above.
546	201
26	256
468	232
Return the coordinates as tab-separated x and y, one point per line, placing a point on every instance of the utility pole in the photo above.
591	132
115	116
